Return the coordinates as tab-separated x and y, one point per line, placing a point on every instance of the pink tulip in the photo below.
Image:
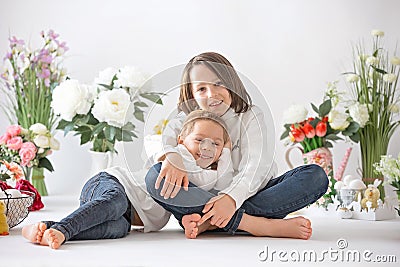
321	129
15	143
308	130
297	134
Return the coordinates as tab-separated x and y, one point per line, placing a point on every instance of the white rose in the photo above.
359	113
130	76
352	78
42	141
111	107
71	98
54	144
295	114
338	120
377	33
389	77
38	128
372	61
105	76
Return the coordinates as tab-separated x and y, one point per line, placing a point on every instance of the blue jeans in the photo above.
104	211
287	193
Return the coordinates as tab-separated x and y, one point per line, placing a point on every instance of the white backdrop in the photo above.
289	49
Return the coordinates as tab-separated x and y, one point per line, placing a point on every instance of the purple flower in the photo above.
44	74
52	35
14	42
47	82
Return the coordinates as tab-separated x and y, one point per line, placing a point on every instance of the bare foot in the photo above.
54	238
298	227
192	229
190	224
34	232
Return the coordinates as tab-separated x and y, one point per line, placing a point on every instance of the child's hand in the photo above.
220	210
175	176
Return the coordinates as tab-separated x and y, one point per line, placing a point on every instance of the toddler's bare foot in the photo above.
54	238
298	227
190	224
34	232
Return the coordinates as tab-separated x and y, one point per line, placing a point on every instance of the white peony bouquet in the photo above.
104	113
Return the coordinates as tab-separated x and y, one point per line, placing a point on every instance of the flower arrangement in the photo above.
104	113
29	77
318	131
27	148
375	102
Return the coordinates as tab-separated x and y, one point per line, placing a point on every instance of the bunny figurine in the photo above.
371	195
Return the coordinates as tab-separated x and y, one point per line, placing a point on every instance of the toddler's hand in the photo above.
175	176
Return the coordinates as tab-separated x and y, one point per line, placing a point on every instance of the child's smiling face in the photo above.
205	142
208	91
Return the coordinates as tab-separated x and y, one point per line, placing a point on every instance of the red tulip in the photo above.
321	129
308	130
297	134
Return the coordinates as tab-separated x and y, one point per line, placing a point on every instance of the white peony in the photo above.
131	77
295	114
111	107
359	113
377	33
105	76
395	61
71	98
42	141
38	128
352	78
338	120
389	77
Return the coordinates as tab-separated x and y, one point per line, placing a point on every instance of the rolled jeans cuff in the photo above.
234	223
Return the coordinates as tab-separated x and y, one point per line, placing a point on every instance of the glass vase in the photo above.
37	180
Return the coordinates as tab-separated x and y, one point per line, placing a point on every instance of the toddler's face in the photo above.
205	142
208	91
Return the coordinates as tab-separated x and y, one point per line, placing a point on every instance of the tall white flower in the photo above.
377	33
112	106
359	113
338	120
71	98
295	114
395	61
352	78
105	76
372	61
389	77
131	77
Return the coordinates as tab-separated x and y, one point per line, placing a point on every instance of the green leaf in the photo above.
109	87
333	137
314	108
379	70
285	134
109	132
355	137
325	108
99	127
154	97
129	127
139	114
140	104
45	163
353	127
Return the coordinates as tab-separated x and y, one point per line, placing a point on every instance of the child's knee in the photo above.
151	176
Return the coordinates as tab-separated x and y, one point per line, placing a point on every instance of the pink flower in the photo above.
15	143
15	169
4	138
13	130
27	153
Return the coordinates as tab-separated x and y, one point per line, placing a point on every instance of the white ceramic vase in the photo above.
100	161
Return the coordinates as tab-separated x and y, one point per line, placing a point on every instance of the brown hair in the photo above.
198	115
223	69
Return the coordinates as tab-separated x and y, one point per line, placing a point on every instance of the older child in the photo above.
105	211
255	197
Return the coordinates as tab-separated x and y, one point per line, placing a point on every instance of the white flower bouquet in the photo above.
104	113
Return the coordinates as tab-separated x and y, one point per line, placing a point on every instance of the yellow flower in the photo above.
159	128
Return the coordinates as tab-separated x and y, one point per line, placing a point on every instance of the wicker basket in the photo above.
17	207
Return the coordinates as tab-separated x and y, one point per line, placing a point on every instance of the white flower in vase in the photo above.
295	114
359	113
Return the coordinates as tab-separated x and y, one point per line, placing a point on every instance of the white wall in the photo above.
289	49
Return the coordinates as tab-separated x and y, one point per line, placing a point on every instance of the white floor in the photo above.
372	240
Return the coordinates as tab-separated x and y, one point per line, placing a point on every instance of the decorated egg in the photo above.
357	185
